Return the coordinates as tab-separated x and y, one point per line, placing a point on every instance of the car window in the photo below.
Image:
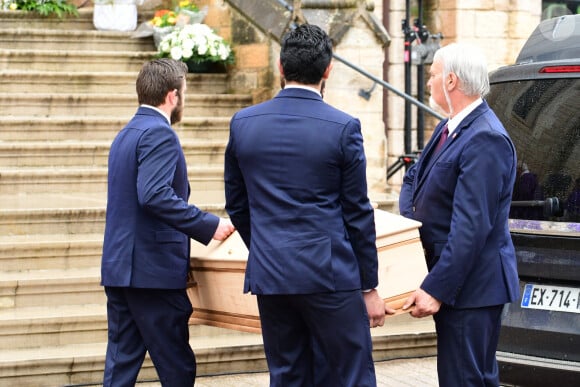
551	9
543	119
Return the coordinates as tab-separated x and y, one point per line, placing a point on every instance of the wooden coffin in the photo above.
217	293
218	274
402	265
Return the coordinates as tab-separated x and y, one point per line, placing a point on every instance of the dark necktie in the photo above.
442	139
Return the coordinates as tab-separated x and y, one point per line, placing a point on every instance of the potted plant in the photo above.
198	46
115	15
60	8
166	20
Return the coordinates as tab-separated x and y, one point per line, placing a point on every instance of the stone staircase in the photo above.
65	91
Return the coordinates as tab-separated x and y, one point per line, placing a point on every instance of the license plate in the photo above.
557	298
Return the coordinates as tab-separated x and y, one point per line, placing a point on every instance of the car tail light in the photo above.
560	69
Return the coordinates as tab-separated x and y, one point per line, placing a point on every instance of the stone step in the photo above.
12	20
71	60
78	180
66	90
73	213
50	288
49	251
73	40
13	81
99	104
49	326
52	214
52	180
217	350
95	153
58	128
66	82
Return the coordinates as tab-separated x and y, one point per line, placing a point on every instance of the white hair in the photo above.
469	64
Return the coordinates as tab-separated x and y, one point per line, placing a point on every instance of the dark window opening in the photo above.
543	119
552	9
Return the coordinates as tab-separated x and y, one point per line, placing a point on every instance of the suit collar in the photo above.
296	92
430	159
152	110
317	92
454	122
466	122
463	125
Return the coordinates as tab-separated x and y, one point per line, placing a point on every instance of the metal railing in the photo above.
404	160
389	87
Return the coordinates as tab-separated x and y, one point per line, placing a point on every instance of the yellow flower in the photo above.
164	18
13	6
187	5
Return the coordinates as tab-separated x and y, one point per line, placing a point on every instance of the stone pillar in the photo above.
500	27
359	38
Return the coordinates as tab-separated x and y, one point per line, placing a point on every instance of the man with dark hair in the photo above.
149	222
295	174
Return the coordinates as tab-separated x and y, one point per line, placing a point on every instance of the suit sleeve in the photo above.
358	213
158	152
406	195
237	205
484	170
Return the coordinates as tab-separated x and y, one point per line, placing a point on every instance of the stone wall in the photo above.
500	27
256	70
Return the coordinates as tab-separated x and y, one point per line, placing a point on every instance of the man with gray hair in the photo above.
461	191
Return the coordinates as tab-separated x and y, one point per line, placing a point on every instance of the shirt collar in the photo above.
454	122
304	88
160	111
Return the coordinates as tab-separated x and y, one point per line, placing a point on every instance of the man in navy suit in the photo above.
461	191
149	222
295	175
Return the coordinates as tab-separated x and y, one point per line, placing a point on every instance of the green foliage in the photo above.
59	8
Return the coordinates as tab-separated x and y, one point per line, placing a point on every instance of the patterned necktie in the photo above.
442	139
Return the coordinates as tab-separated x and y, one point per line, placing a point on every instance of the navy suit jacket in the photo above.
295	174
149	221
462	196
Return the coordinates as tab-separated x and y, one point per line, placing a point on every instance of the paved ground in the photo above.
392	373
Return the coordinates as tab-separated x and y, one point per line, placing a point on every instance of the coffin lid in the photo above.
387	223
234	249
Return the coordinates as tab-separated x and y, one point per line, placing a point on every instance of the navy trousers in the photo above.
466	345
154	320
317	340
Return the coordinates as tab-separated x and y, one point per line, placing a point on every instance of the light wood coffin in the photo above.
218	271
402	265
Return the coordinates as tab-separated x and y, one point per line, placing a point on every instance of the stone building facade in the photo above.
500	27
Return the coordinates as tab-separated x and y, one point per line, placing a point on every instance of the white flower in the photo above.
194	41
202	49
176	53
224	52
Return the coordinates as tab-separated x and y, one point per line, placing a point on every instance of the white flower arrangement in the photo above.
195	42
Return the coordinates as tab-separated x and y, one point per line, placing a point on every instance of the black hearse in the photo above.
538	101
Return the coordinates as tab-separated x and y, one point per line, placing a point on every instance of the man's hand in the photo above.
224	229
425	304
375	308
389	310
